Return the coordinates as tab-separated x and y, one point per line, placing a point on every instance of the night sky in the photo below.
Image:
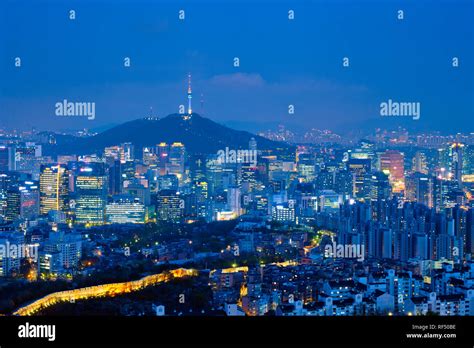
282	61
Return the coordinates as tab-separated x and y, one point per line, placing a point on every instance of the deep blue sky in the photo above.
282	62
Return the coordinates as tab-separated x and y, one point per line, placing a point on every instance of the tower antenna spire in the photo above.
190	95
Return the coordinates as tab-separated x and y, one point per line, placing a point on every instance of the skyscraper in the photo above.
419	188
359	168
456	162
392	163
90	183
22	201
7	180
7	158
115	175
54	187
128	151
420	164
379	187
29	200
176	159
233	200
170	206
306	167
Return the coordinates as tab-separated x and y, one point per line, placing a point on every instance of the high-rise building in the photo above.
26	155
325	180
171	160
115	176
306	167
115	152
61	252
29	200
168	182
443	159
201	194
283	212
392	163
214	170
456	162
149	156
468	160
139	190
198	167
22	201
13	204
7	158
125	209
380	189
419	188
162	152
343	183
259	204
176	161
446	193
170	206
470	231
248	177
90	188
128	172
54	187
420	164
366	150
233	200
128	152
358	167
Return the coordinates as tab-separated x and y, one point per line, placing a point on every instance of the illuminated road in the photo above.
105	290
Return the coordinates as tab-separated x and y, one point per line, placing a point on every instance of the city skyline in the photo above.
393	225
203	162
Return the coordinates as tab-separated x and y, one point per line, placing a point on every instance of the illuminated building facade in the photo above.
125	209
23	201
54	187
91	193
170	206
392	163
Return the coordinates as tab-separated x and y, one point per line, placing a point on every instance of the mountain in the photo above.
198	134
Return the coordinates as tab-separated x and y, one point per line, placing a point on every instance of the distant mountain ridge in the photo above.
200	135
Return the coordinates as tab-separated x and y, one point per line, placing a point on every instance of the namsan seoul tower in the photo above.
190	95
